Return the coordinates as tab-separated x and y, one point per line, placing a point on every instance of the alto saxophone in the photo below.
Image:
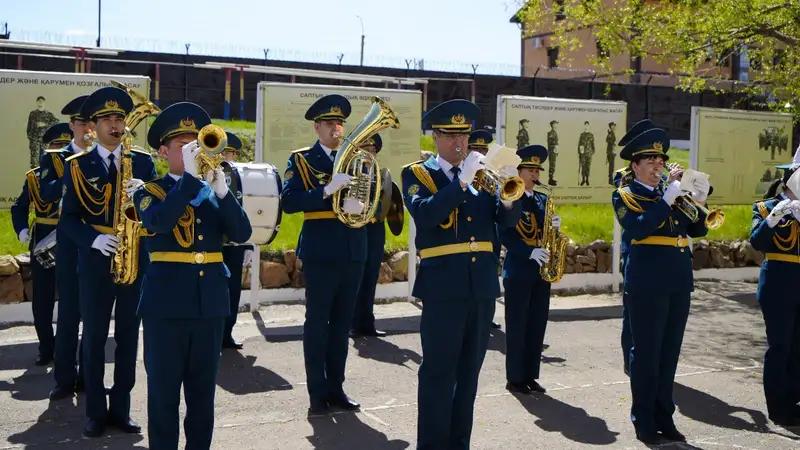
554	241
127	226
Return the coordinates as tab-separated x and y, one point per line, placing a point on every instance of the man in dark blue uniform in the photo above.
479	141
233	254
457	278
88	214
527	296
774	232
659	251
622	178
188	219
67	370
363	323
333	254
44	223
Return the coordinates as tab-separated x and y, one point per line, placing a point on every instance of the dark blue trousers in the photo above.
527	308
42	304
455	335
658	321
626	337
98	295
181	352
363	316
67	370
233	257
331	290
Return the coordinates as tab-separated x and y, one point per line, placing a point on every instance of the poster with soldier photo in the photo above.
33	102
581	139
739	149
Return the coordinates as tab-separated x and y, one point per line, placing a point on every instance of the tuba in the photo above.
488	179
553	241
212	140
367	184
127	226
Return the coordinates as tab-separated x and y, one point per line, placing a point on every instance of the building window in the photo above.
552	57
558	8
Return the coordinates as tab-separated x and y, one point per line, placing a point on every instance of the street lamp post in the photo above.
362	39
99	8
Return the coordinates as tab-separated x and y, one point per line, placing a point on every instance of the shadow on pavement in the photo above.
706	408
346	431
572	422
239	375
23	355
385	351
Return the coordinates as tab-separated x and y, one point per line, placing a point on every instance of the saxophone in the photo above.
553	241
127	226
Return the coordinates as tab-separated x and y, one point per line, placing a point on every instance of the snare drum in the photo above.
45	251
261	199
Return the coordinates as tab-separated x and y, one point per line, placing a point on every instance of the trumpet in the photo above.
488	179
689	206
212	140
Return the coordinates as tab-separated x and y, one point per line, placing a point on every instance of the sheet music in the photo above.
500	156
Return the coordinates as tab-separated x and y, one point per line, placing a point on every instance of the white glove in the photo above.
189	152
556	222
703	186
248	256
796	209
673	191
540	255
216	178
132	185
783	208
106	243
507	204
24	236
352	206
471	166
338	181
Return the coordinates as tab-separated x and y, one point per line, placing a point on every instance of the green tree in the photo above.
693	37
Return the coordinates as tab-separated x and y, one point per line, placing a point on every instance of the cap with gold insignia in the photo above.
58	134
480	139
533	156
330	107
178	118
375	140
452	117
653	142
637	129
106	101
234	143
73	108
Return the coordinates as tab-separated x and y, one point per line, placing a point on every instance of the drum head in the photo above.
230	179
397	214
261	190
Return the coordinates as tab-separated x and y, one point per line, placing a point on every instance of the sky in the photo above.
443	36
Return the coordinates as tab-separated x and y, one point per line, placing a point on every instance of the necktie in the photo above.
455	171
333	154
112	169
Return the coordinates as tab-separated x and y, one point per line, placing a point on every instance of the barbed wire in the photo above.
279	54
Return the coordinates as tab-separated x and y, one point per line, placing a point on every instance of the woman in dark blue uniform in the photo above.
774	231
659	251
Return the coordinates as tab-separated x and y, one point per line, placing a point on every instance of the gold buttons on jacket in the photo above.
200	237
198	220
202	273
472	238
474	259
469	218
676	222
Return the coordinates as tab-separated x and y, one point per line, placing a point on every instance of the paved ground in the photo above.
261	400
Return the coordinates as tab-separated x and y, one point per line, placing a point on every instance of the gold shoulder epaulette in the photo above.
155	189
56	150
77	155
411	164
141	151
304	149
762	210
630	199
31	171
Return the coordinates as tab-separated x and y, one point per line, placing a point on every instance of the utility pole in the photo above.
99	8
362	40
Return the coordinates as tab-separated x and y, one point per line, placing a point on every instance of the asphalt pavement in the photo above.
262	404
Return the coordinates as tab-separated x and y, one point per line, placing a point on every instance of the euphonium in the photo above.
554	241
488	179
212	140
362	165
127	227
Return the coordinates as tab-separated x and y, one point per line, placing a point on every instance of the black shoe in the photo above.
673	434
232	344
495	325
318	408
342	401
43	360
651	438
367	333
786	421
536	387
126	425
60	393
518	388
95	428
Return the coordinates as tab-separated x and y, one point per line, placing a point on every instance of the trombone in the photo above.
488	179
689	206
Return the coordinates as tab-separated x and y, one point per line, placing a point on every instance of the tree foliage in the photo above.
692	37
